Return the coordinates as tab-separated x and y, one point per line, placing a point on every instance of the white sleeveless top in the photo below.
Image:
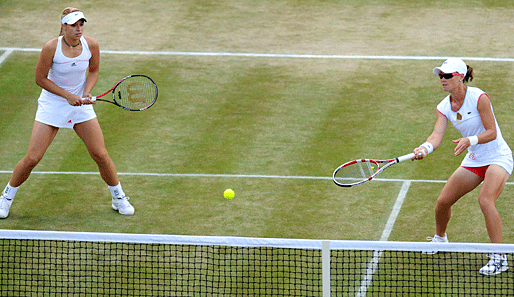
69	74
468	122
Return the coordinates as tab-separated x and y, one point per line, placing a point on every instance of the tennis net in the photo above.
48	263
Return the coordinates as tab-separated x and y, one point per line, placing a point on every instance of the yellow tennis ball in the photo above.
228	194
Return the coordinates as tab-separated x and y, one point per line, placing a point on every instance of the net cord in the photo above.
256	242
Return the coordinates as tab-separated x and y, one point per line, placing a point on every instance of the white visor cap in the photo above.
452	65
73	17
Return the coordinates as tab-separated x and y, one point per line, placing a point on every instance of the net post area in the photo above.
48	263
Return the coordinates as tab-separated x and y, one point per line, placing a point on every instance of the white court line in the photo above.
396	210
4	56
377	255
271	55
198	175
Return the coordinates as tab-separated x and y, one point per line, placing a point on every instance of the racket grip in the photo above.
93	99
405	157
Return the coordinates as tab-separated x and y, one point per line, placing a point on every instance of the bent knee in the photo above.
486	202
31	160
100	156
443	203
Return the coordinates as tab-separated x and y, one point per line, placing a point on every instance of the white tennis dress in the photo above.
69	74
468	122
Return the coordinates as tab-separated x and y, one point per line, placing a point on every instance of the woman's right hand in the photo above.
420	153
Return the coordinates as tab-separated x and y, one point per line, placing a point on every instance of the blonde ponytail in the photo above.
65	12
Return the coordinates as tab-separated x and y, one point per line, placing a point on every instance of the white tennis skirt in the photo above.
59	113
504	160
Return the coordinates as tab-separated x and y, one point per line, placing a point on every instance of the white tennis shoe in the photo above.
496	265
122	205
5	205
436	239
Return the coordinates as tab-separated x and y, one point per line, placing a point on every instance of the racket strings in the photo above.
136	92
356	172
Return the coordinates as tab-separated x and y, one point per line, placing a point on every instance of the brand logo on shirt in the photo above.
73	64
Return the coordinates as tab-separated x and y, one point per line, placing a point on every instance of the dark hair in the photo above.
469	75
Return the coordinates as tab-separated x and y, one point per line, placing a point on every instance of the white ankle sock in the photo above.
117	191
10	191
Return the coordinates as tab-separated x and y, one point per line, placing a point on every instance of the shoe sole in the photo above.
121	212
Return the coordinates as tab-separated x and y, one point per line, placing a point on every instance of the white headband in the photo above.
73	17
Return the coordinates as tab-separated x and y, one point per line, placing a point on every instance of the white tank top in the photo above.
68	73
468	122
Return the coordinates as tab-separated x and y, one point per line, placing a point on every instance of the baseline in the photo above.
276	55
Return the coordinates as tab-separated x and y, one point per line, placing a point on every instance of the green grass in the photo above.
248	116
258	116
228	116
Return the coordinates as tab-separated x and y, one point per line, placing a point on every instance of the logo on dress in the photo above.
459	117
472	156
73	64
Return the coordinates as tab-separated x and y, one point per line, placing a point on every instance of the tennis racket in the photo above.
361	171
135	93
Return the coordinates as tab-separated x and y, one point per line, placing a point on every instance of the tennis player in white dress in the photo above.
488	160
67	71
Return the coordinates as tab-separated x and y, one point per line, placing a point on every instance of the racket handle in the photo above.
92	99
405	157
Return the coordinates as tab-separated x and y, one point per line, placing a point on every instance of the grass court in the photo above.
266	98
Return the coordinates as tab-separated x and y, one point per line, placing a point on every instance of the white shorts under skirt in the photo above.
60	114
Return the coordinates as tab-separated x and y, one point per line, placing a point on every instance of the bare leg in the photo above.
460	183
494	182
91	133
41	138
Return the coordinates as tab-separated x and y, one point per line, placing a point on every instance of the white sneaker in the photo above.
436	239
496	265
122	205
5	204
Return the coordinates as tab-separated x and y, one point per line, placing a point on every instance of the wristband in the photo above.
428	146
473	140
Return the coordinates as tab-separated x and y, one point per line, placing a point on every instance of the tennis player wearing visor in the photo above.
67	71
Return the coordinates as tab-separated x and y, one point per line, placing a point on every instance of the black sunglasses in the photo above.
447	75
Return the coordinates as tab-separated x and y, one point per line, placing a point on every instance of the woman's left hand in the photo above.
462	145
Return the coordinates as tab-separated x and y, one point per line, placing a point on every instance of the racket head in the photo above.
135	92
356	172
